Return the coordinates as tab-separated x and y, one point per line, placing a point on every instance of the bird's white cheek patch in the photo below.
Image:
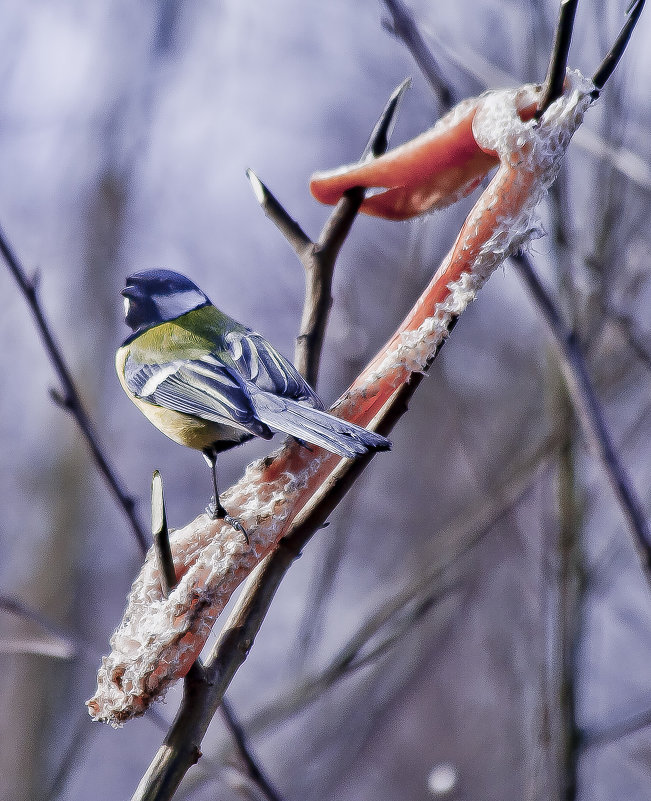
178	303
127	306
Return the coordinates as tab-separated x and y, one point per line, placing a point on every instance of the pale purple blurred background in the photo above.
125	131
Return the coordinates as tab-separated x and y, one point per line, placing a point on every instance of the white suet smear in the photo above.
148	646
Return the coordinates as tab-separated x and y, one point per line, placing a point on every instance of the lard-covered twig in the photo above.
159	638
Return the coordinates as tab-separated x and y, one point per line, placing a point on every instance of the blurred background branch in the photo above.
589	412
70	400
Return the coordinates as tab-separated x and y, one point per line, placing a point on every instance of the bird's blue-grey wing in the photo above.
285	402
260	364
204	387
209	389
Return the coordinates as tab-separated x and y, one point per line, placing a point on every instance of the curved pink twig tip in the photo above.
429	172
426	173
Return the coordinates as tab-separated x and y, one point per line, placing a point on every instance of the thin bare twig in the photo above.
68	645
70	399
318	258
244	750
605	69
404	28
275	211
553	85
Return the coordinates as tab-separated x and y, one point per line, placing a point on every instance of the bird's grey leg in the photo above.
215	509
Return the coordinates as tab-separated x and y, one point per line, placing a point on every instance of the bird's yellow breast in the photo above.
193	432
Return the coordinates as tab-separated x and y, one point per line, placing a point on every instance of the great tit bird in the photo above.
210	383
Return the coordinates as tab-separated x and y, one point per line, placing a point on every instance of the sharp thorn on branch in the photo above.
259	189
379	138
59	399
276	212
160	534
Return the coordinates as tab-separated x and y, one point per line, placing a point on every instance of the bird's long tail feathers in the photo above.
315	426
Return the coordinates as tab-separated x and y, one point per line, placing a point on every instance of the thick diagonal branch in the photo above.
290	494
204	693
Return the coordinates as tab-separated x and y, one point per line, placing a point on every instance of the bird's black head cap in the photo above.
157	296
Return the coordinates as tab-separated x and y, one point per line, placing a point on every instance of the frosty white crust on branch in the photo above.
157	636
525	149
151	641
